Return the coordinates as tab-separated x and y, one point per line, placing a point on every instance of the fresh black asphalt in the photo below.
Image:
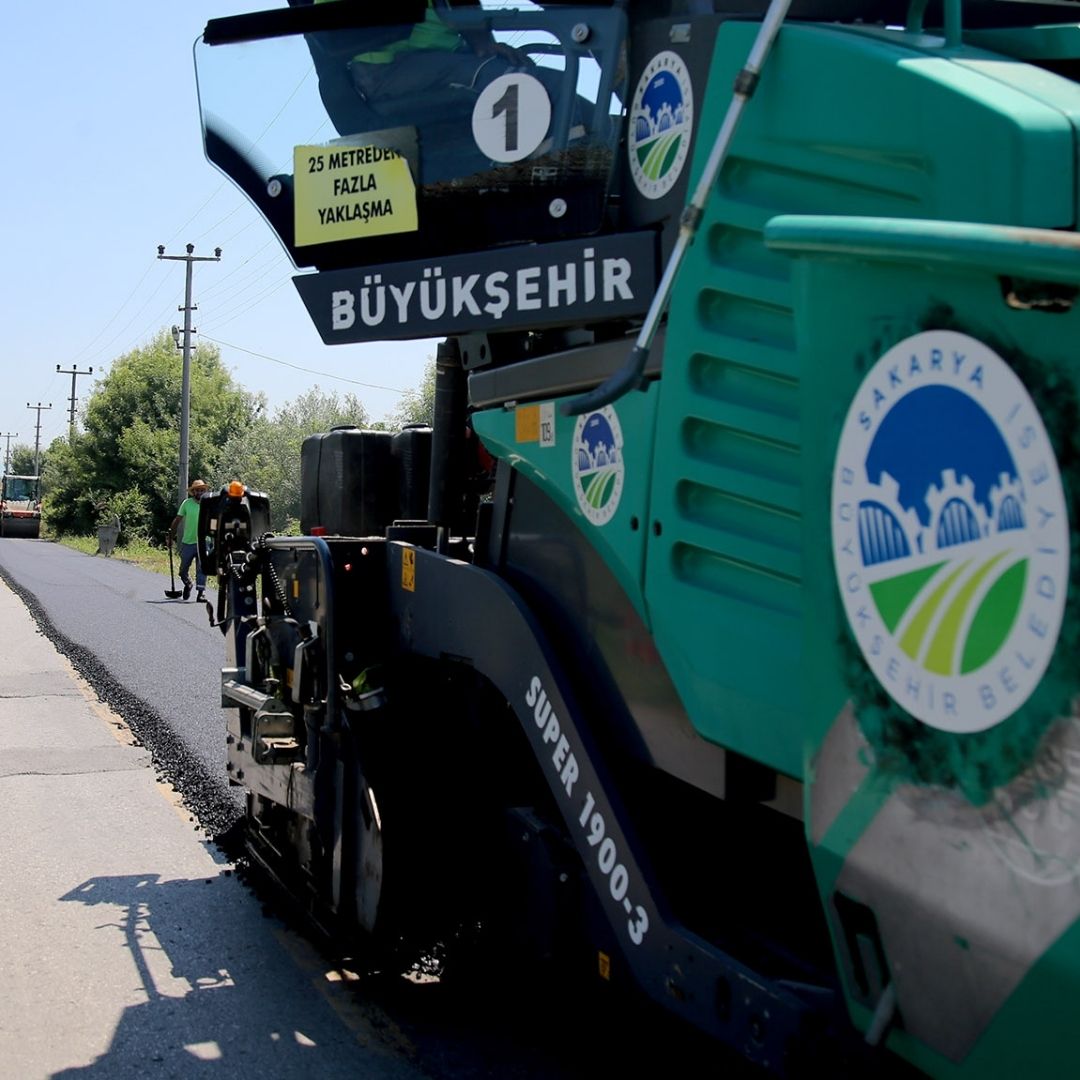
155	661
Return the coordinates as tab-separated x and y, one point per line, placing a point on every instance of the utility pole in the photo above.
185	390
37	435
74	373
9	435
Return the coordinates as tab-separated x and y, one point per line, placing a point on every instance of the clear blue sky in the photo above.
104	162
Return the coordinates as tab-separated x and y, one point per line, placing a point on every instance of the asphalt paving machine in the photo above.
714	639
20	506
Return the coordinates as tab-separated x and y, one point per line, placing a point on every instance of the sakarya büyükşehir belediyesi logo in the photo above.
661	122
950	531
597	464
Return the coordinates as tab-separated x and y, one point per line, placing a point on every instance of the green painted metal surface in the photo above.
514	435
970	838
899	128
960	843
1031	42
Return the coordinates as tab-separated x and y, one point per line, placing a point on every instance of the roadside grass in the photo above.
140	552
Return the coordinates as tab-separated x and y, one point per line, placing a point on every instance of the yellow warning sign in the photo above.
408	569
349	192
527	423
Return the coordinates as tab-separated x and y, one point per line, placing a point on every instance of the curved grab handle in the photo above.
629	377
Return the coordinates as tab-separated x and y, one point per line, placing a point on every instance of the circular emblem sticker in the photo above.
511	117
661	122
950	532
598	464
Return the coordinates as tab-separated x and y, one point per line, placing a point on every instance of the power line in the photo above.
119	333
47	392
297	367
213	195
220	221
116	314
97	347
209	199
284	105
243	228
251	146
156	321
236	269
245	306
254	276
243	294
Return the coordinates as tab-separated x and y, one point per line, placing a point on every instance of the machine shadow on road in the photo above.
215	986
226	992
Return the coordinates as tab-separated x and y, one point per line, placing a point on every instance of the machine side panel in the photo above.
923	137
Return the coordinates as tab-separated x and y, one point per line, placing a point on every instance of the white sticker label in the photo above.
511	117
547	424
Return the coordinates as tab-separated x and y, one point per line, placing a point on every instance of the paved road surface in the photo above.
121	918
156	661
128	948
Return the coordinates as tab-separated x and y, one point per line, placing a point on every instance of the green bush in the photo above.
132	507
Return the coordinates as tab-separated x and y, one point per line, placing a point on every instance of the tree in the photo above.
416	406
22	460
128	453
266	455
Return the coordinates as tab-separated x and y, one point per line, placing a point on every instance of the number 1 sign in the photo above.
511	117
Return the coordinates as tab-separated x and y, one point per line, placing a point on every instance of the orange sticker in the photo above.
527	423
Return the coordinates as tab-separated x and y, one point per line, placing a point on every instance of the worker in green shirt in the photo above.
188	516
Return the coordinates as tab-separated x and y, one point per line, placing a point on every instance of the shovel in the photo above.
174	593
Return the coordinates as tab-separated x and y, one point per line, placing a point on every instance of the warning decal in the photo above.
350	192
